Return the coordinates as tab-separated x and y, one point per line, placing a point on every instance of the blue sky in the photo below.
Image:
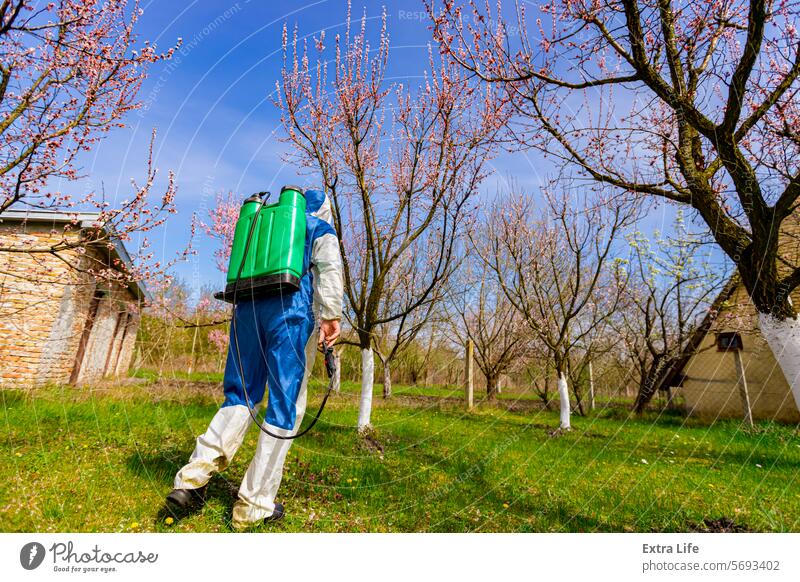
217	126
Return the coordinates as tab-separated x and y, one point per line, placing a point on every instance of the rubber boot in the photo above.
183	501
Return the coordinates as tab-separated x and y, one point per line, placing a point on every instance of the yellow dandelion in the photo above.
134	525
349	480
169	521
505	506
19	454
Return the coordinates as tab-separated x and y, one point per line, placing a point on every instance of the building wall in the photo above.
125	345
43	310
36	291
711	389
108	350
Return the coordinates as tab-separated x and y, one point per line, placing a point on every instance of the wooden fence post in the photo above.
468	386
742	383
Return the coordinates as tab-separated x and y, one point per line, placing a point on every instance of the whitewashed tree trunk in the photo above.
563	397
367	378
387	380
783	337
337	374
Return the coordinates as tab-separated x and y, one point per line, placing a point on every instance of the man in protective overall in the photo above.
277	341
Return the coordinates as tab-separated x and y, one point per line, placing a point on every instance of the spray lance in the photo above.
274	268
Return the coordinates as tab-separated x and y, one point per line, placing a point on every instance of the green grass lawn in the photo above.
103	460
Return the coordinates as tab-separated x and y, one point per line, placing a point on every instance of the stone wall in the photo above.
35	291
44	305
109	347
125	346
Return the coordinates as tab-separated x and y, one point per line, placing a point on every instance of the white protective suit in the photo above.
277	343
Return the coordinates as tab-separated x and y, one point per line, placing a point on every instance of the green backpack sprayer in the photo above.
277	233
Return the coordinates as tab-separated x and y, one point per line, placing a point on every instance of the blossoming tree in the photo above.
691	102
553	265
69	73
400	167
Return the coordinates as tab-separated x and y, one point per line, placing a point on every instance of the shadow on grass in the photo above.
569	520
161	467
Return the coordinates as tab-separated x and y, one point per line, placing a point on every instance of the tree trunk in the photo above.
591	387
578	399
491	388
576	389
387	379
367	378
337	374
563	396
647	384
783	337
777	317
545	394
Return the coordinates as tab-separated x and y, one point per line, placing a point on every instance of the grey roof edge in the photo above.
84	220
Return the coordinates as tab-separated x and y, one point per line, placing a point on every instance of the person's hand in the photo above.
329	331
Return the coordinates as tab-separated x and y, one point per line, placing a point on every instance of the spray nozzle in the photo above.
330	362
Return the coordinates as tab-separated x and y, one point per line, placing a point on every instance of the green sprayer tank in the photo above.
273	262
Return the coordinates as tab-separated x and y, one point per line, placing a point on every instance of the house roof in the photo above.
84	220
